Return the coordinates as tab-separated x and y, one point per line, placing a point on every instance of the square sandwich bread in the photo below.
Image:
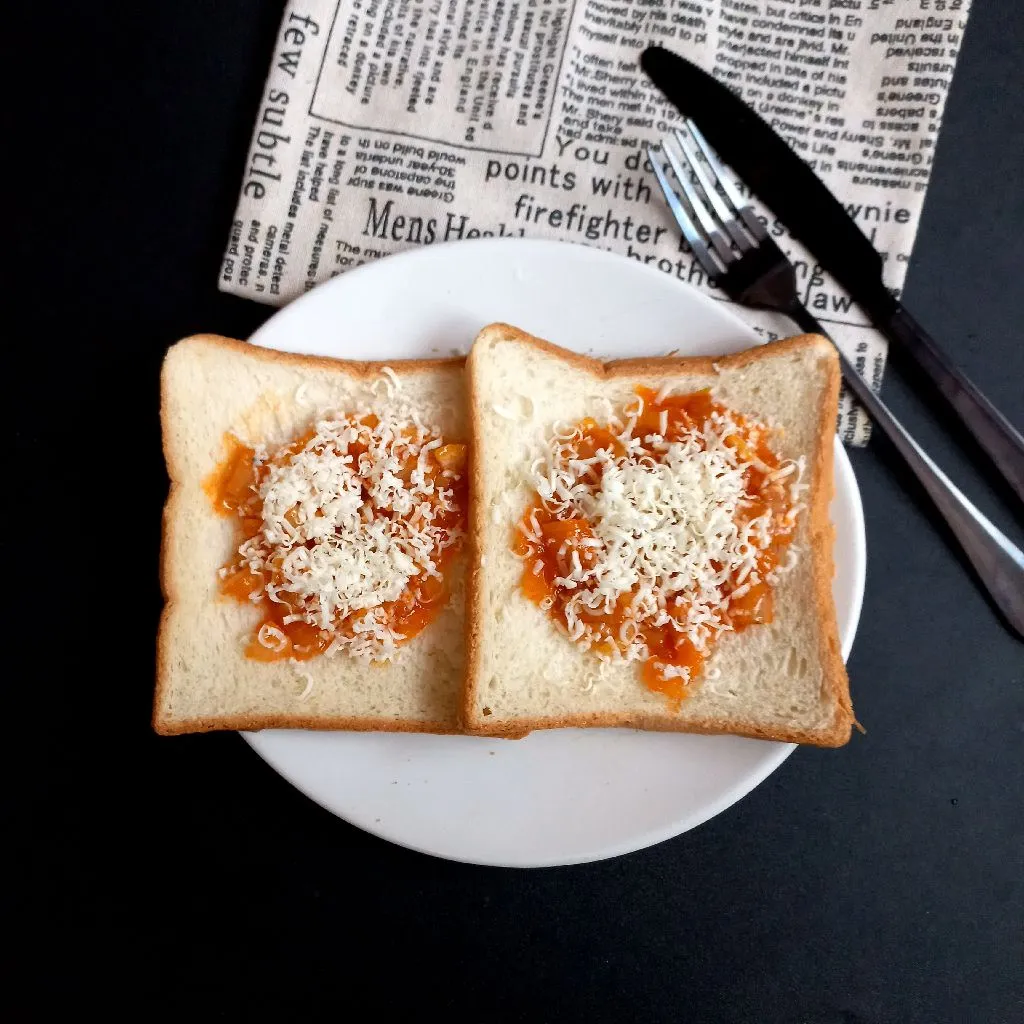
784	680
217	392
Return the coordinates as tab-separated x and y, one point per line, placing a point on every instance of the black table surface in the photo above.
880	882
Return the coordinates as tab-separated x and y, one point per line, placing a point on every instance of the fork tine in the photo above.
716	166
693	237
725	216
743	209
706	219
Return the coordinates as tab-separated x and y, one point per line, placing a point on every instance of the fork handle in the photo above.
997	561
986	424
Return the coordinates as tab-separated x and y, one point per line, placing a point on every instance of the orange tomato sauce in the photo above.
561	536
233	491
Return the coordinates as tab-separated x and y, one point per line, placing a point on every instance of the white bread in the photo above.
783	681
212	386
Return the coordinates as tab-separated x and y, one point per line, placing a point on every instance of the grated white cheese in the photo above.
393	377
271	637
344	533
520	409
304	675
668	533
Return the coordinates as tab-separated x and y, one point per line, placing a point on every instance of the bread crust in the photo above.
821	535
361	370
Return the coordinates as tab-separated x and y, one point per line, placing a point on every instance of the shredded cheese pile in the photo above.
666	524
346	526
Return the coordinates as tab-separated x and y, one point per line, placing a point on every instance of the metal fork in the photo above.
732	245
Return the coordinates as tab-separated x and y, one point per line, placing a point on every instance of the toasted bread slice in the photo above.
783	681
214	386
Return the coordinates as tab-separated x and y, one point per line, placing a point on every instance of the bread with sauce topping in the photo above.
213	386
779	681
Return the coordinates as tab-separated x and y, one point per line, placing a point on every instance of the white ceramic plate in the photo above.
556	797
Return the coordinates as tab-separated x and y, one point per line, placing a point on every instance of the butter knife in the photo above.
818	220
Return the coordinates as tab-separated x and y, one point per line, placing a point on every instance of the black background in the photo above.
880	882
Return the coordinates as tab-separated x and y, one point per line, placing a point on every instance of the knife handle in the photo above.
986	424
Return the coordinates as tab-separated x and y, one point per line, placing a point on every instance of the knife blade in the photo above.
815	217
